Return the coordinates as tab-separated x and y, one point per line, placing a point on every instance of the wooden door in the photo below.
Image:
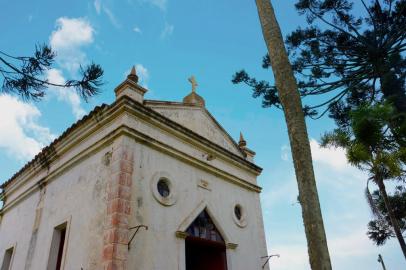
202	254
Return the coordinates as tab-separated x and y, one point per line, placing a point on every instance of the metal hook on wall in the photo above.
268	258
137	228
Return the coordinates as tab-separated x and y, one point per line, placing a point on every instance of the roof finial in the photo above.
192	80
242	142
133	75
194	98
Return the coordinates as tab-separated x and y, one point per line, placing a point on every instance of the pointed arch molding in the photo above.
203	205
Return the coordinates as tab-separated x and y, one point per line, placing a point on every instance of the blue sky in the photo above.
168	41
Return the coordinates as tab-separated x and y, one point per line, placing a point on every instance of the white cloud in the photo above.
353	244
71	32
332	171
285	153
345	212
333	157
142	73
168	30
111	17
68	95
136	29
161	4
20	133
343	248
97	6
70	36
292	257
283	194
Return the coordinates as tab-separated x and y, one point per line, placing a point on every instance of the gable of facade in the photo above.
197	119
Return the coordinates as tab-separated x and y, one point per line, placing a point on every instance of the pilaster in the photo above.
116	227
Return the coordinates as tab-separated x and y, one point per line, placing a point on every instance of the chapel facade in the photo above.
137	184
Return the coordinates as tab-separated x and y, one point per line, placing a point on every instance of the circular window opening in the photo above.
163	187
238	212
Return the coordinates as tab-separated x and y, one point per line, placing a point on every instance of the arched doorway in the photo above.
205	247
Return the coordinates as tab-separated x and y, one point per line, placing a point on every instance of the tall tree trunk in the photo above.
393	220
380	259
290	99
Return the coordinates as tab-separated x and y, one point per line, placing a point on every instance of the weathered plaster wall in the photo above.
76	196
118	205
159	248
16	228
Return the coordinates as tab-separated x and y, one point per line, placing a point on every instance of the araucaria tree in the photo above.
25	75
380	229
371	147
340	55
354	60
290	100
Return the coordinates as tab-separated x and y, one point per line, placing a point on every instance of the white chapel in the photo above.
138	184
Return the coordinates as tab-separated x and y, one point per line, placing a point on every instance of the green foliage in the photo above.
358	154
337	138
24	76
348	58
371	146
379	229
367	124
262	89
368	141
355	61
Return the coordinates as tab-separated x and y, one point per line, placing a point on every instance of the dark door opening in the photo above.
205	247
57	247
60	248
204	254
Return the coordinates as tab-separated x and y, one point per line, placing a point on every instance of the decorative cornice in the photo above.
101	115
134	86
137	107
139	137
173	152
36	160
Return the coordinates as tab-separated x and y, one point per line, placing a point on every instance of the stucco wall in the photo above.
159	248
76	196
16	228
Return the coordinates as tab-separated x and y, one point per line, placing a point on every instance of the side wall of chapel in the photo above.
77	197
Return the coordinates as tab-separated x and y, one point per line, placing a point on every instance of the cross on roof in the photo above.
192	80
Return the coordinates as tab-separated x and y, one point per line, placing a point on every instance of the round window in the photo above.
240	216
238	212
163	187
